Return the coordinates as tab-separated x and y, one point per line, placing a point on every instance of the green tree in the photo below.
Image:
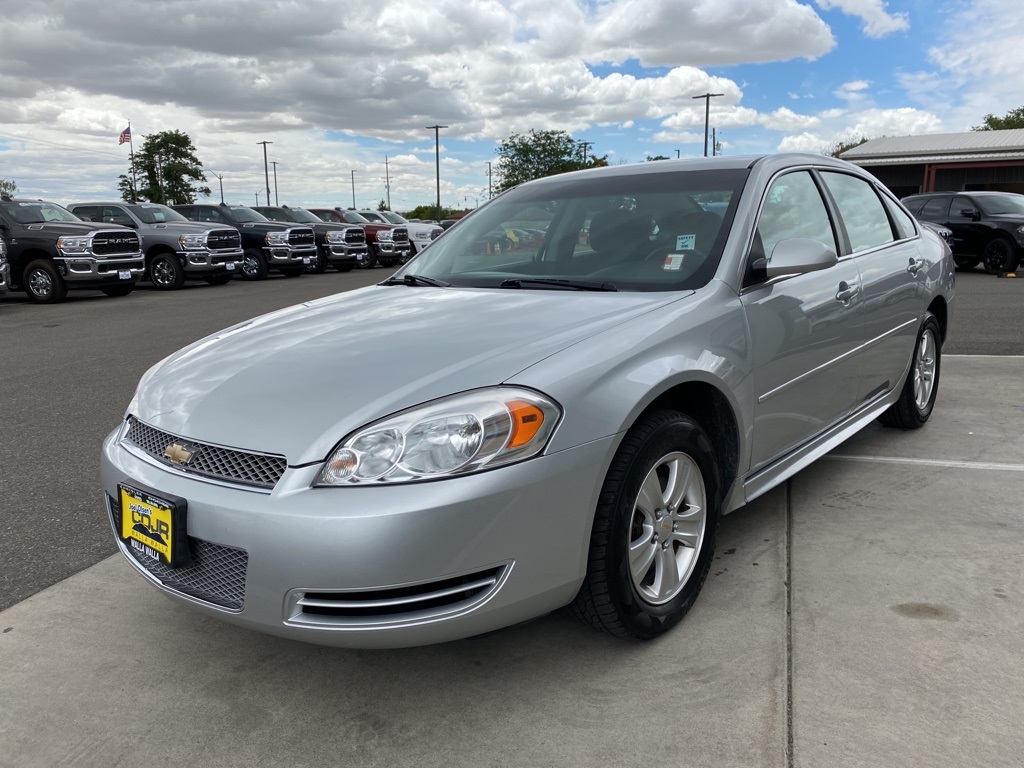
656	157
167	171
382	206
522	158
836	148
428	211
8	187
1012	119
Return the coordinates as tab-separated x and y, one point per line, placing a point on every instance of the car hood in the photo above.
297	381
189	226
72	227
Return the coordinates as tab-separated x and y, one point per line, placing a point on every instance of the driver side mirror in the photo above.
796	256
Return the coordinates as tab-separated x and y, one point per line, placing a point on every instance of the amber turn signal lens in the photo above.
527	420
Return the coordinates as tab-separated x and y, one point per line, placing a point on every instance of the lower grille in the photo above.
419	602
244	467
216	575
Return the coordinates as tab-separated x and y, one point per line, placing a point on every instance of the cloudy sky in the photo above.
339	85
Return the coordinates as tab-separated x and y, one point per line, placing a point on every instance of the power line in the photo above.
58	145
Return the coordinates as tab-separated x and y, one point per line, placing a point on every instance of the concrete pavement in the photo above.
869	613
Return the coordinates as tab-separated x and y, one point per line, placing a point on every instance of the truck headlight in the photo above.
277	238
192	241
73	244
336	236
385	234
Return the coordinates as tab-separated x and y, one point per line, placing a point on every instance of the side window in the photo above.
863	214
115	215
187	211
274	215
792	208
87	212
961	203
935	209
904	224
914	206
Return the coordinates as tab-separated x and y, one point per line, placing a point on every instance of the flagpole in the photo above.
131	152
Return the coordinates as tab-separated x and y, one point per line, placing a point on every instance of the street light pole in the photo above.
276	201
353	189
489	195
437	163
266	169
257	197
387	181
221	180
707	115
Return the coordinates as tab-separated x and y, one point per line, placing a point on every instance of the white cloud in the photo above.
852	90
878	22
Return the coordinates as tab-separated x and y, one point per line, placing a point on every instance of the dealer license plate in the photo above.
124	274
305	259
153	527
230	266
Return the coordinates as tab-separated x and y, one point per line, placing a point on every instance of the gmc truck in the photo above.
266	245
341	246
51	251
175	248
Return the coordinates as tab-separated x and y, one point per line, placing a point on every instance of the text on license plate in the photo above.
147	525
229	266
124	274
305	259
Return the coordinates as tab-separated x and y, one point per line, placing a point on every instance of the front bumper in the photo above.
289	256
345	253
514	540
210	263
89	270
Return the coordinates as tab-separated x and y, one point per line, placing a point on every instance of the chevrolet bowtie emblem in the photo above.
177	453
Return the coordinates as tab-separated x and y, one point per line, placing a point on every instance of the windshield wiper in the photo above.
416	280
570	285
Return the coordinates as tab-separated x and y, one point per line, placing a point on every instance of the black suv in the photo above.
988	227
343	246
266	245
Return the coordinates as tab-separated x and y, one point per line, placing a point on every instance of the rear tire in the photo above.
43	283
254	265
654	530
166	273
965	264
920	389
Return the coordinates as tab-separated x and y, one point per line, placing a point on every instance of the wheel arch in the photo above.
940	309
157	250
25	258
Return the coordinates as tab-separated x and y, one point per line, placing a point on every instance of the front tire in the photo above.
370	259
43	284
166	273
318	265
654	529
917	399
999	255
254	264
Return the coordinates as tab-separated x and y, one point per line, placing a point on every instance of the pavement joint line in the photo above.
1011	357
949	464
790	757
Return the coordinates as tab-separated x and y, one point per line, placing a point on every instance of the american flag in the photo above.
126	136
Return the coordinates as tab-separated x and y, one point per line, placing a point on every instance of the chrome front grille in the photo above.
400	235
224	239
216	575
234	466
109	243
301	236
418	602
355	235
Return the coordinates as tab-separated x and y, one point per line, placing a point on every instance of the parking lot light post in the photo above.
276	201
489	195
437	163
220	179
707	115
353	189
266	169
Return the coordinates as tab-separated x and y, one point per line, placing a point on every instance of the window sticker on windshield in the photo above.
686	242
673	262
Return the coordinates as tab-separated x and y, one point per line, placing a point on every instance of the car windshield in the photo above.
354	218
994	205
301	214
243	214
374	216
393	217
153	213
37	212
637	232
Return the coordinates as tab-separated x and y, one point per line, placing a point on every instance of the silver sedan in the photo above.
564	394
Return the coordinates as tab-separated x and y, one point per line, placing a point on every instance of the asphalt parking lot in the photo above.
867	613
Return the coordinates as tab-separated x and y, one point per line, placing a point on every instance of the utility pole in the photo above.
221	180
276	202
585	145
353	189
677	154
437	163
257	197
707	115
266	169
714	143
489	195
387	181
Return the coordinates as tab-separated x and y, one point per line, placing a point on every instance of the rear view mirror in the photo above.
797	255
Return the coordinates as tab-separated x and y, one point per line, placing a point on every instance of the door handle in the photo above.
847	292
916	265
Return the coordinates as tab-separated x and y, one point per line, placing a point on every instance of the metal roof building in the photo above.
945	162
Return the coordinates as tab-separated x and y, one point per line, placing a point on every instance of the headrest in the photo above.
618	231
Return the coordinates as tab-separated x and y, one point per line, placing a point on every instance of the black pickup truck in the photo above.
343	246
266	245
50	250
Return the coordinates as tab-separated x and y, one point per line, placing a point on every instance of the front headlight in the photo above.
336	236
277	238
456	435
384	234
192	241
73	244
